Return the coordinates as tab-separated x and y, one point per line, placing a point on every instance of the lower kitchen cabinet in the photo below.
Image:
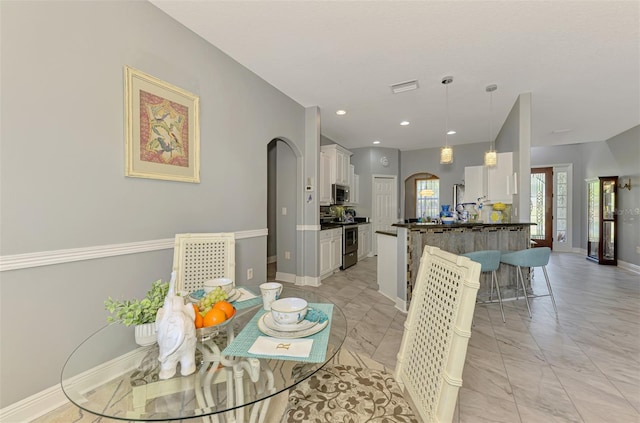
364	240
330	251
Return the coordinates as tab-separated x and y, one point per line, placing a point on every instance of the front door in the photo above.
542	206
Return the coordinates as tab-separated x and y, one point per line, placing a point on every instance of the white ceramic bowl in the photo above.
289	311
225	283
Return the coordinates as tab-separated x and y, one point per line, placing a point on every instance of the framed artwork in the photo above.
162	129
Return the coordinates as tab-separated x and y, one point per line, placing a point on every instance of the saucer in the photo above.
289	335
272	324
233	295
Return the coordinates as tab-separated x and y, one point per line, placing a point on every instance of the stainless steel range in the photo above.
349	245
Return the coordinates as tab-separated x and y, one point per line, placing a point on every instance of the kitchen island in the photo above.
457	239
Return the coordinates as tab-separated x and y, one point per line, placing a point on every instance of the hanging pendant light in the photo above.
491	156
446	152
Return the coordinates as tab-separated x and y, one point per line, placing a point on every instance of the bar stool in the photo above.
531	257
489	261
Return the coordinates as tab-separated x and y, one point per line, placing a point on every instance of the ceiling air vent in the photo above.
404	86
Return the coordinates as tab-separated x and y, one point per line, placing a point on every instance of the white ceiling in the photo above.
579	59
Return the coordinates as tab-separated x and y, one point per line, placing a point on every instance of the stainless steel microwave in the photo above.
340	194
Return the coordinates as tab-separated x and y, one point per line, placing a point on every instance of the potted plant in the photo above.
141	313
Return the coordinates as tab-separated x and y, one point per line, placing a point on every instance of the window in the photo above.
428	197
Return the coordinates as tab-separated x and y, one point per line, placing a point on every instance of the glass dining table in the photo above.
109	375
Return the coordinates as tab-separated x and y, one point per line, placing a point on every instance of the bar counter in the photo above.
459	239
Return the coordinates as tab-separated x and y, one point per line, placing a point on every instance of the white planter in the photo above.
146	334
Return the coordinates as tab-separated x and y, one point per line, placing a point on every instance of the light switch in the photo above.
284	211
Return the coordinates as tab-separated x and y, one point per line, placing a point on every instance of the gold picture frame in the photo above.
162	129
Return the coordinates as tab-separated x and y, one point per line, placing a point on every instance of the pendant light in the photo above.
446	152
491	156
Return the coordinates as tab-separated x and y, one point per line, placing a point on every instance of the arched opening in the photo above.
283	167
422	197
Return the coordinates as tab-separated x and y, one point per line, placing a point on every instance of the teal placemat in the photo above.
241	305
245	339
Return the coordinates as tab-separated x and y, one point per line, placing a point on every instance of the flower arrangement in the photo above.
138	312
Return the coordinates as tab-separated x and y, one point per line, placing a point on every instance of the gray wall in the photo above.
618	156
62	168
428	160
272	166
286	198
366	163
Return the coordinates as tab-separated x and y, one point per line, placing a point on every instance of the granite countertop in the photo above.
456	225
326	226
389	232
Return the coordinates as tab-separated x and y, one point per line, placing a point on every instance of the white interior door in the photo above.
385	205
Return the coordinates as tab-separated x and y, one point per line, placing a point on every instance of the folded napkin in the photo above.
316	315
265	345
244	295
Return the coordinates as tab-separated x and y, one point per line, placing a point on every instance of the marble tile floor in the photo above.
583	366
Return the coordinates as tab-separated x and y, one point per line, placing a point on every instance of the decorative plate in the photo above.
289	335
272	324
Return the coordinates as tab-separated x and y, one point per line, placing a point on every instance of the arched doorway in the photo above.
282	209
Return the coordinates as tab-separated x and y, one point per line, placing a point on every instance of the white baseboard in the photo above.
308	281
401	305
44	402
272	259
286	277
629	266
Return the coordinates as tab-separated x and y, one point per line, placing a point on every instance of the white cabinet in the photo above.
364	240
325	179
354	186
475	183
497	183
330	251
501	180
340	160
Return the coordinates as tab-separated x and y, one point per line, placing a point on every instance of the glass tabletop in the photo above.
111	376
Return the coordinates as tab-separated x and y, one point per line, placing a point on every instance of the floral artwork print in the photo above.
164	131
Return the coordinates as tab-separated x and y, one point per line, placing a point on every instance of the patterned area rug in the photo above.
351	389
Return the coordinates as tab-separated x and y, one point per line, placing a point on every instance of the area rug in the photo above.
350	389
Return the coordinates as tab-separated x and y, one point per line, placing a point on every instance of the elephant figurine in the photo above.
176	335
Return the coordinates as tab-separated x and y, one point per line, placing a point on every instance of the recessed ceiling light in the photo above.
561	131
341	112
404	86
405	123
451	132
376	142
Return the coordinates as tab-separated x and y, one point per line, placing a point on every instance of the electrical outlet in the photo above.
638	250
287	255
249	274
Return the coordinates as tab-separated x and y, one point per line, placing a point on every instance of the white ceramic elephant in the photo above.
176	335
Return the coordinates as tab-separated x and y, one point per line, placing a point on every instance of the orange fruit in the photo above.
199	321
225	306
215	316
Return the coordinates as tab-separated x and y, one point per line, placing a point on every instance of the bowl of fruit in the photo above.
213	313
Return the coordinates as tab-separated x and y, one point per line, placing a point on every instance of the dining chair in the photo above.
198	257
428	373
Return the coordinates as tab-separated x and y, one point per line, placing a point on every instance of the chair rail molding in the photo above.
47	258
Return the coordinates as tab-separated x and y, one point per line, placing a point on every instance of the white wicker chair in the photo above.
430	361
201	256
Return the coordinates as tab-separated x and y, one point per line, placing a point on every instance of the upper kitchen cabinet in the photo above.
497	183
354	186
325	179
501	183
340	160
